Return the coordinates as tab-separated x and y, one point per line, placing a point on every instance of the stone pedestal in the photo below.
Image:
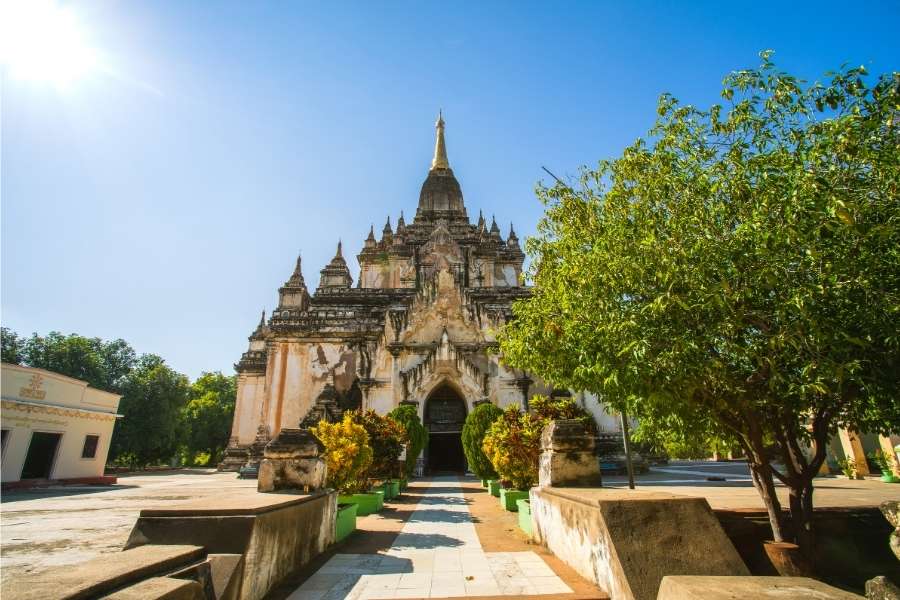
292	461
568	456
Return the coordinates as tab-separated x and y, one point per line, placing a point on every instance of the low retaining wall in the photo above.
275	533
626	541
851	543
24	484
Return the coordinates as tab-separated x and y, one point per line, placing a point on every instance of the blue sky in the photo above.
163	198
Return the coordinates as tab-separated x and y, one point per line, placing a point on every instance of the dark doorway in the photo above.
41	452
445	413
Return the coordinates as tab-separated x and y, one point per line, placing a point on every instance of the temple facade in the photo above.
417	327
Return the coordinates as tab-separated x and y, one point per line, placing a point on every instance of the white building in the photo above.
54	428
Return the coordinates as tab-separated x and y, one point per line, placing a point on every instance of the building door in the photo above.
41	454
445	413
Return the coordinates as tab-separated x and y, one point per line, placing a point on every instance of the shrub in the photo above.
474	429
408	417
347	453
561	407
513	445
386	438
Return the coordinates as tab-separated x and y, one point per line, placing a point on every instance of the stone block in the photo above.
162	588
626	541
748	588
102	575
292	461
568	457
891	511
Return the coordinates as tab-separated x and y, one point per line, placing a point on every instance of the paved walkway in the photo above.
436	555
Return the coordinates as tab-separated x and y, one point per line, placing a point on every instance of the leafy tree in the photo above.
386	438
513	445
347	453
11	346
102	364
208	415
153	396
740	271
474	429
408	417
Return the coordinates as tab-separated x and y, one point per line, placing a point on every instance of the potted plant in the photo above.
416	435
386	438
513	445
348	457
474	429
884	463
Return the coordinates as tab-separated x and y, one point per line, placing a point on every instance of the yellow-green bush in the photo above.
513	445
347	453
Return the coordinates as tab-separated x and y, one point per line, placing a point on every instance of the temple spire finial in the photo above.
340	251
262	320
440	148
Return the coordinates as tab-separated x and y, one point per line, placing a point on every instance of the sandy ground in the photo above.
47	527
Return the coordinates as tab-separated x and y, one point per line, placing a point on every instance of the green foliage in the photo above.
737	273
386	438
102	364
513	445
882	460
347	453
208	416
847	466
153	396
408	417
474	429
11	351
562	407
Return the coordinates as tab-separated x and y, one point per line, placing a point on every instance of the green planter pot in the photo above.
484	483
366	504
508	498
524	506
494	487
404	484
889	477
391	489
346	521
380	494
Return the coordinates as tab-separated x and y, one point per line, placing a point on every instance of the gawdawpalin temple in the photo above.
417	327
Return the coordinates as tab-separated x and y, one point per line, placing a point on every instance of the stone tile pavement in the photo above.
436	555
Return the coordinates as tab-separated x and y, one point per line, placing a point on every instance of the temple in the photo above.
418	327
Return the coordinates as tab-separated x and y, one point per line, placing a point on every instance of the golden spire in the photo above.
440	150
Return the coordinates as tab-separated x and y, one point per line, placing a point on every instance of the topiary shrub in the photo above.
347	453
561	407
513	445
477	423
386	438
408	417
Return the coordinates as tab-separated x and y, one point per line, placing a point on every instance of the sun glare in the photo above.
42	41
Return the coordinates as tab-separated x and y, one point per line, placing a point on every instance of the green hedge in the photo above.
477	423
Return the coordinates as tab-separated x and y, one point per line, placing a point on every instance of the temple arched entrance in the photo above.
445	413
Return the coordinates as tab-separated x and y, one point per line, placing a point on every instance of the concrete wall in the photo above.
35	400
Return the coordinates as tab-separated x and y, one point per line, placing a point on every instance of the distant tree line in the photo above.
166	417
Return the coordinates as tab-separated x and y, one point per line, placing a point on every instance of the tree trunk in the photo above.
801	502
765	485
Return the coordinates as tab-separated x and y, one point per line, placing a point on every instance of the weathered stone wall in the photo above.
627	541
275	533
251	390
